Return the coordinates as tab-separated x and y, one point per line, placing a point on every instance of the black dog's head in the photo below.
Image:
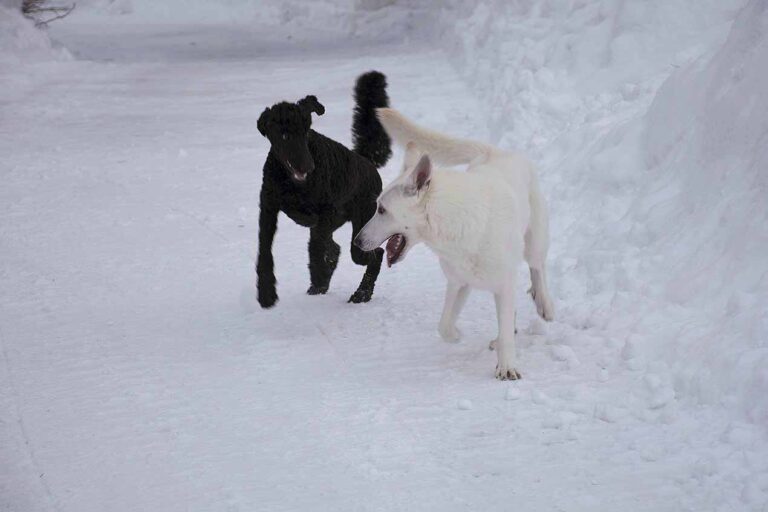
286	125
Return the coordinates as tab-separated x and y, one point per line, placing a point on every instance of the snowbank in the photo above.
572	60
20	41
706	143
21	44
375	19
651	124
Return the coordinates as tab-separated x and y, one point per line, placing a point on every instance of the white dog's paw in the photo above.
492	344
449	334
503	372
505	368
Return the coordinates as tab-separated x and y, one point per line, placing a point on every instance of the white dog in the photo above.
480	223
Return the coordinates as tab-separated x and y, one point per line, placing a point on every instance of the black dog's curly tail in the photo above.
370	139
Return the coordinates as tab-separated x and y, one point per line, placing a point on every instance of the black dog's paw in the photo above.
267	296
361	296
317	290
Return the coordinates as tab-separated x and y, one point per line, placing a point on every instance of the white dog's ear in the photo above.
412	155
422	174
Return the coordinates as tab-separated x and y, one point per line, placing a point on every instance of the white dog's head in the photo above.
400	218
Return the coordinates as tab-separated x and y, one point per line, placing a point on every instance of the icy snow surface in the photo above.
22	46
137	372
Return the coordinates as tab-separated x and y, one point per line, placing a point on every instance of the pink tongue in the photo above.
393	246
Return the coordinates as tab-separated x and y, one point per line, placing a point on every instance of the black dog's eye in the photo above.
285	136
381	210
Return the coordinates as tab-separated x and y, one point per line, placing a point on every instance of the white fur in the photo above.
481	224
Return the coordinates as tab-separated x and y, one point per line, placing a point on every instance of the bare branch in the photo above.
61	13
36	9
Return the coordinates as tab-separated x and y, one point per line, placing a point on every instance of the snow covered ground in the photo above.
139	374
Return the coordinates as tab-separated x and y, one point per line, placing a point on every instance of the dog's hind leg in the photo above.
536	248
540	294
455	297
371	259
323	258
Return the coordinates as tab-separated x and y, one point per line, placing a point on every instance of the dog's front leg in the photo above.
455	297
371	259
323	258
265	265
506	351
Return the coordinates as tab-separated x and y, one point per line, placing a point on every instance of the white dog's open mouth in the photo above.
395	248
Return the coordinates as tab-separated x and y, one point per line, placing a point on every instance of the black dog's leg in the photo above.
371	259
323	258
265	265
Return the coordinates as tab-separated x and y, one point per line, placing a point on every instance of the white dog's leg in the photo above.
540	294
506	351
455	297
493	343
536	248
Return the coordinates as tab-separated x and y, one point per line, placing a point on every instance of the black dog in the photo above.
321	184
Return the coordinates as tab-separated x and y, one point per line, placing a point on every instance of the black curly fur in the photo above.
321	184
368	136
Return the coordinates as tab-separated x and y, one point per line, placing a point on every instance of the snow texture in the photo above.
21	47
20	42
137	372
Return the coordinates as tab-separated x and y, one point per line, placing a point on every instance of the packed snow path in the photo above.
138	373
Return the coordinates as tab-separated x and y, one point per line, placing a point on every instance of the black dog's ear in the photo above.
263	121
310	104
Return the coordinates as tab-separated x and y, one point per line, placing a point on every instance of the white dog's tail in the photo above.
440	148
